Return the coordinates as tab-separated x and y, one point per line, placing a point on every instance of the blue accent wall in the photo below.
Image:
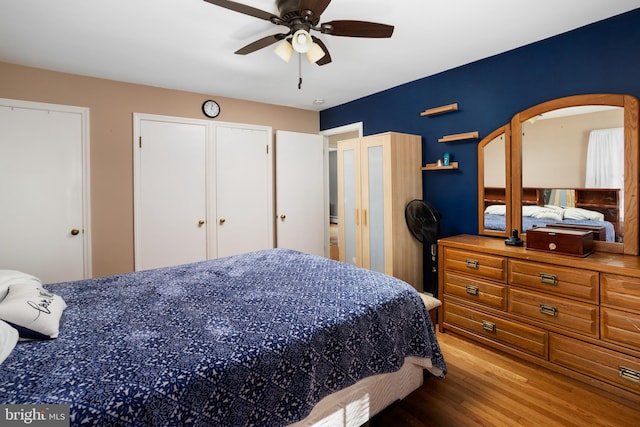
603	57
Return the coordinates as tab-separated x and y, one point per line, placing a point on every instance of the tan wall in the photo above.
112	105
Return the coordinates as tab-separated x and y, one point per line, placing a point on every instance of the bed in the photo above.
591	207
268	338
540	216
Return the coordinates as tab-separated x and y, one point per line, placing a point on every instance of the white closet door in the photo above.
43	227
301	204
243	189
170	213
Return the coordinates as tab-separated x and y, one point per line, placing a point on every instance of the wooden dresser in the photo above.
577	316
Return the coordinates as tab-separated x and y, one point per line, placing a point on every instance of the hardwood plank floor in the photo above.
485	387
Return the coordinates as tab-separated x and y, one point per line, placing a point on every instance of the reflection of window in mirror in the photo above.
555	160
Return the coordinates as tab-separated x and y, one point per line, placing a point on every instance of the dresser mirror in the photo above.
493	191
570	161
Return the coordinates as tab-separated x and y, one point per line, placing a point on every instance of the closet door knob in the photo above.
201	223
221	220
282	217
75	232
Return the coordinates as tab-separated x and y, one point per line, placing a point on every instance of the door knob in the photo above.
282	217
222	220
201	223
75	232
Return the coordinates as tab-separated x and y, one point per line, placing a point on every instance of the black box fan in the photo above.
423	221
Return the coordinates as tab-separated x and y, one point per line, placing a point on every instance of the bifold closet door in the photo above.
170	214
43	196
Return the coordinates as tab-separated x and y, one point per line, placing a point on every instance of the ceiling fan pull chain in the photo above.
299	71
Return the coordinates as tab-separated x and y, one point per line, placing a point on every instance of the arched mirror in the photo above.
494	189
574	162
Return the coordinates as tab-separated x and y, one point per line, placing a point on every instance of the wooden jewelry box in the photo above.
562	241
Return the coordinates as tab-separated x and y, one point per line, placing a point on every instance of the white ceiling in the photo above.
189	44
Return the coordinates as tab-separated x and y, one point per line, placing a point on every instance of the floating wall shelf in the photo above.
440	110
434	166
459	136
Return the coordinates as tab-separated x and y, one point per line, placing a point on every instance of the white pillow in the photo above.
541	212
579	213
33	311
496	210
9	277
8	340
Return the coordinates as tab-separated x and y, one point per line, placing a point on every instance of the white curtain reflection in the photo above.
605	161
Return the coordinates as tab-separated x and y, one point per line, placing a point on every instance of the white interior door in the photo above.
301	200
44	226
170	193
243	189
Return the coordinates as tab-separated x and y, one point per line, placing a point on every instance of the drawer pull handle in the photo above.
488	326
629	374
549	279
548	310
473	263
472	290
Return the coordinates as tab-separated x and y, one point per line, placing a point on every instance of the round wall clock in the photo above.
211	108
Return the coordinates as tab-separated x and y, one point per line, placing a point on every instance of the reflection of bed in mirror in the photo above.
541	207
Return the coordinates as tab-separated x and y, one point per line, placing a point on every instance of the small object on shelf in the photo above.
514	240
434	166
459	136
445	159
440	110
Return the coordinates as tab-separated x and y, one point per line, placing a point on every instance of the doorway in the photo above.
332	137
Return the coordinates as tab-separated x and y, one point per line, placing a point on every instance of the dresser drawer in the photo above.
600	363
525	338
491	294
621	292
561	312
563	281
620	327
481	265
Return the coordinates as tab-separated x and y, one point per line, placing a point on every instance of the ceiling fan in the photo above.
302	16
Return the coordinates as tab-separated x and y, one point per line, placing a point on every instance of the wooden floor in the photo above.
484	387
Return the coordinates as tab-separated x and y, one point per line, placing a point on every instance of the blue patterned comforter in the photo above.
256	339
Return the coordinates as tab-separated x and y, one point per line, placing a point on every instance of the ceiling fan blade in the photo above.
315	6
326	59
242	8
259	44
357	29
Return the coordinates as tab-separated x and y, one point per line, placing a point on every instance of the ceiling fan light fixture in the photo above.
302	41
315	53
284	50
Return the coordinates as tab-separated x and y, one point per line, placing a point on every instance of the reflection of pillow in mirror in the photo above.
579	213
542	212
496	210
554	207
11	277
